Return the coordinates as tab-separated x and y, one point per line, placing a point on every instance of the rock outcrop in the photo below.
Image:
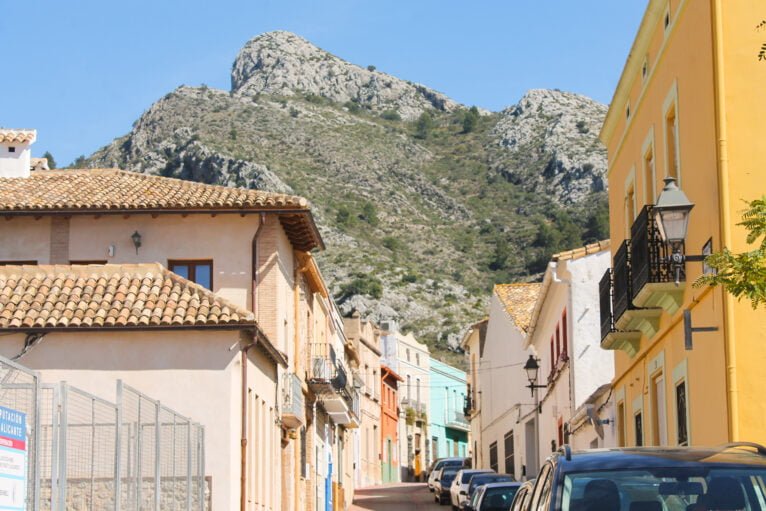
281	63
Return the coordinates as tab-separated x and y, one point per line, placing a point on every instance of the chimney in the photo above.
15	153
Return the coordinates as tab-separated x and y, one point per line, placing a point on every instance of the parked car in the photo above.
459	488
523	496
730	477
438	464
482	479
443	483
493	497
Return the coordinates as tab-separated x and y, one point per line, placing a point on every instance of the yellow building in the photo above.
690	104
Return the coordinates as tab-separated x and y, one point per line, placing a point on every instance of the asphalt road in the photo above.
396	497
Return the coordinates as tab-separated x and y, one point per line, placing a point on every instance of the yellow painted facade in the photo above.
691	103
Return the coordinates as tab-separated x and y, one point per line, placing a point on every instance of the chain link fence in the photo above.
86	453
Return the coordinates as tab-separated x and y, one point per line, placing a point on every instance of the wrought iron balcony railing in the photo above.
468	405
605	304
621	280
458	421
649	261
325	368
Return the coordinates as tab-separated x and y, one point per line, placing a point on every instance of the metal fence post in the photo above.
188	465
118	450
157	454
202	467
139	457
55	453
36	442
62	453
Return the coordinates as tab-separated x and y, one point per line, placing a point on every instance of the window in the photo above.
630	201
409	388
493	456
553	357
558	342
560	430
408	354
649	175
659	422
638	421
621	424
11	149
417	382
510	463
417	359
682	418
17	263
671	134
564	331
198	271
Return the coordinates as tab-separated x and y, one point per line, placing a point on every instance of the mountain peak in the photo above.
285	64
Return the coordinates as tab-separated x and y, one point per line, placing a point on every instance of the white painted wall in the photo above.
504	398
16	163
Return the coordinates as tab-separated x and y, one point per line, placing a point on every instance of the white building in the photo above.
500	407
410	360
564	332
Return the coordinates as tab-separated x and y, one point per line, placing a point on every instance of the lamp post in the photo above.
532	367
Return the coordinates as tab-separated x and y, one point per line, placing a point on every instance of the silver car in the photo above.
459	489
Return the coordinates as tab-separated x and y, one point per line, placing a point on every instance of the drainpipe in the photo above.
243	363
724	204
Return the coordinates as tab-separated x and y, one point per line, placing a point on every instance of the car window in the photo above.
671	489
518	501
542	487
476	497
498	498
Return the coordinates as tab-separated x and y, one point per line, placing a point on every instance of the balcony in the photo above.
292	406
458	421
329	380
468	404
653	281
611	338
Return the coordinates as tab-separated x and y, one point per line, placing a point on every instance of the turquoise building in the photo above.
448	427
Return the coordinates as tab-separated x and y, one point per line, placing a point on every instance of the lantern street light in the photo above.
532	367
671	215
136	237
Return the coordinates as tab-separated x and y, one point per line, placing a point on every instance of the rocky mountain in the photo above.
423	203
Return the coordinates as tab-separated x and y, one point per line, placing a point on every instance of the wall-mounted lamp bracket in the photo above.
689	330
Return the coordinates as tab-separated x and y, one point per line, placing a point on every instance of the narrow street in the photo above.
396	497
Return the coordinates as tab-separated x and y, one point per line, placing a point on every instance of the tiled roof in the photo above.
17	136
114	191
577	253
112	295
98	190
519	301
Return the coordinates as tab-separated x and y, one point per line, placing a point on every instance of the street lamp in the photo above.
136	237
671	215
532	367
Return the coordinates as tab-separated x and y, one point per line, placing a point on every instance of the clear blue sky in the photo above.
82	71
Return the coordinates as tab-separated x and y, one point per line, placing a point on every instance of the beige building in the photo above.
366	338
248	248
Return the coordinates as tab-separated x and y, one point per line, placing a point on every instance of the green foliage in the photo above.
371	68
315	99
79	163
294	112
51	162
597	224
361	284
409	278
369	214
391	115
393	244
424	125
409	415
582	127
233	134
344	218
470	119
353	107
743	275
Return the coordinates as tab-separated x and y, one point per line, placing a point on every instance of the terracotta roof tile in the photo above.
577	253
113	189
17	136
519	301
66	296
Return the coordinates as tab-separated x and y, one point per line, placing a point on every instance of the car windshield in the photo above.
475	498
466	476
498	498
480	479
668	489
